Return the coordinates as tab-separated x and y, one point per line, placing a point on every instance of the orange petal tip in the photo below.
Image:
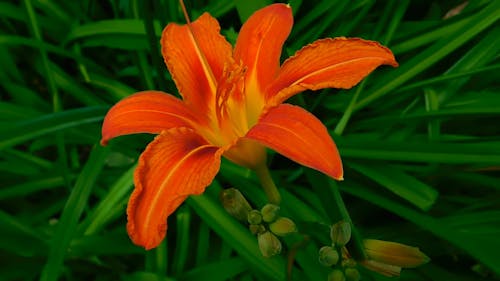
298	135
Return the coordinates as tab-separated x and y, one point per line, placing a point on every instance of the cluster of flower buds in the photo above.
344	268
384	257
266	223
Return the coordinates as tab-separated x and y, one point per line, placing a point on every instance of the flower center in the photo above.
235	111
227	116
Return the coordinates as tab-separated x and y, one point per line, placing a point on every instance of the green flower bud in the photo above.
235	204
348	263
282	226
257	229
336	275
269	212
254	217
352	274
269	244
340	233
328	256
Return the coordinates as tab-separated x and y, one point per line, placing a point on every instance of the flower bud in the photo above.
235	204
387	258
269	244
348	262
394	253
282	226
269	212
382	268
254	217
328	256
340	233
336	275
352	274
257	229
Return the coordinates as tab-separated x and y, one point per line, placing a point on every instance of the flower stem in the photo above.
268	185
357	249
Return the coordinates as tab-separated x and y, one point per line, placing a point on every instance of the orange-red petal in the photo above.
176	164
328	63
145	112
260	42
297	134
196	57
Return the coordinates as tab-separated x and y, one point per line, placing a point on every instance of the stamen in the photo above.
184	10
224	90
229	101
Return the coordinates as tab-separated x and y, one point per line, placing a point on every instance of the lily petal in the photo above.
195	55
176	164
297	134
260	42
145	112
328	63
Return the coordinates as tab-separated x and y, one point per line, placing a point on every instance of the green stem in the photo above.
51	84
268	185
46	68
357	249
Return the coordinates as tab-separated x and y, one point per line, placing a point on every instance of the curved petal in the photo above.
145	112
297	134
260	42
195	57
328	63
176	164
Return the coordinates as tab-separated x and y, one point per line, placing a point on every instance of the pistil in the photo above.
267	183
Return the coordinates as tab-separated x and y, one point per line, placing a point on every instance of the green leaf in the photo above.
218	271
145	276
110	243
101	214
17	237
399	182
28	187
482	248
488	16
127	27
71	213
426	152
26	130
182	244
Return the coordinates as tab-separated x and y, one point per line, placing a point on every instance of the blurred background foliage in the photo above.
420	143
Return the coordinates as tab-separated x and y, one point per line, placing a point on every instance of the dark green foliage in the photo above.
420	144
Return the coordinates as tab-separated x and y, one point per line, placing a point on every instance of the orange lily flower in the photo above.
232	106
